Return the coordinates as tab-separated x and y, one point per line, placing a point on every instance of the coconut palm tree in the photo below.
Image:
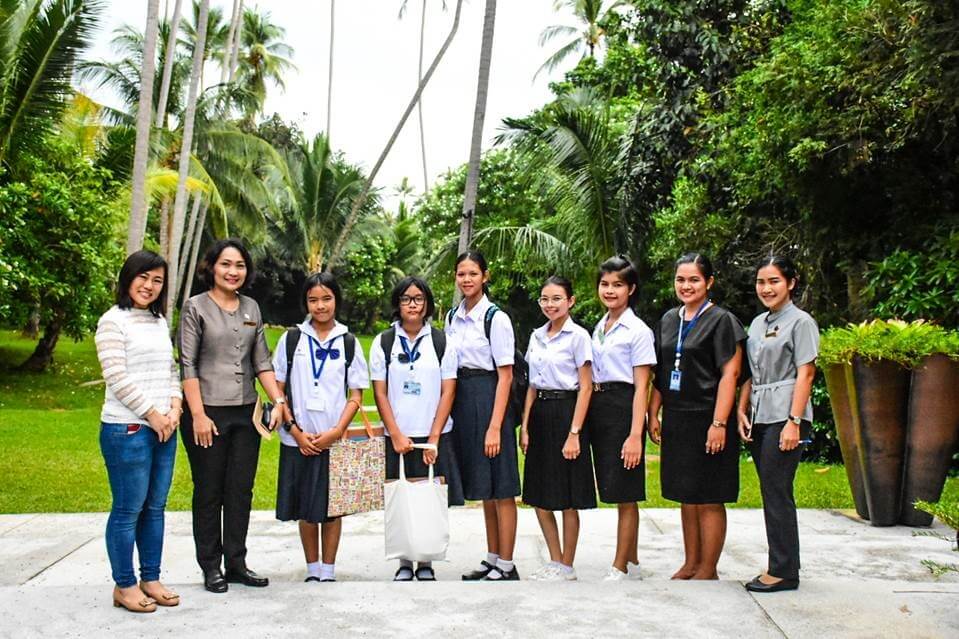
576	155
329	74
263	56
479	116
40	43
586	39
217	32
167	77
231	40
354	214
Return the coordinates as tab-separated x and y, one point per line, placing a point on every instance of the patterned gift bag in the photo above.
357	469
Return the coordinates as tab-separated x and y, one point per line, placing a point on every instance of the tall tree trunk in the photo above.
329	75
230	43
337	253
479	116
186	146
419	103
188	236
43	353
165	229
194	252
168	66
237	42
141	152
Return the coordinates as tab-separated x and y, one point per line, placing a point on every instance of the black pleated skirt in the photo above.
687	473
446	466
551	481
609	423
303	485
483	478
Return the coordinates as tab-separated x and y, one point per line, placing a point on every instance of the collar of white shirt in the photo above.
541	332
627	319
772	316
401	331
338	329
477	313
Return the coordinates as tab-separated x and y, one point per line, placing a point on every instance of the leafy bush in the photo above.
895	340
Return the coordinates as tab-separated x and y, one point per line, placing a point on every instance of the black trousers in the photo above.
777	470
223	477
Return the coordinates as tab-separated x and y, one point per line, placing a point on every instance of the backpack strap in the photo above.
387	338
349	351
439	344
450	314
292	339
488	329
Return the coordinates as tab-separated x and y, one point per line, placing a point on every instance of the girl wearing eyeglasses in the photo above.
414	382
321	414
559	472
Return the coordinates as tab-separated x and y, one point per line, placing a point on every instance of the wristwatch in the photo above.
795	419
279	400
718	424
575	430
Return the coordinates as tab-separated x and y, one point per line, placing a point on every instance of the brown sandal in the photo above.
166	598
144	604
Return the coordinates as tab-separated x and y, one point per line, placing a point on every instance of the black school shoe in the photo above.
478	575
785	584
425	573
214	581
246	577
510	575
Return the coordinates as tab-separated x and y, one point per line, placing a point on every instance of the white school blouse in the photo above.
554	362
329	394
468	334
414	413
629	343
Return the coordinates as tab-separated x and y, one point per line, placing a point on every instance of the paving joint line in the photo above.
651	519
22	523
55	562
766	614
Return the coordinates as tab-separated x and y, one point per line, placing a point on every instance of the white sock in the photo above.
313	569
566	569
327	571
491	558
503	565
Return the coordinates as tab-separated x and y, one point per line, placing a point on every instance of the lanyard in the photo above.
323	354
684	331
410	354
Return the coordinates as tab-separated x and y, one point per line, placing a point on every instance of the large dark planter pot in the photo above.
882	396
932	434
838	379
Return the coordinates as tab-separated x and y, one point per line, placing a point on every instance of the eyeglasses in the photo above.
556	299
406	300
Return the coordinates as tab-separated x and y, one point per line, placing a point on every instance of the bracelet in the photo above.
279	400
717	424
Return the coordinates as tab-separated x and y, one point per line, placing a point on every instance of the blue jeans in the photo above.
140	469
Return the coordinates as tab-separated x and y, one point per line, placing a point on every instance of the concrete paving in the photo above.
857	581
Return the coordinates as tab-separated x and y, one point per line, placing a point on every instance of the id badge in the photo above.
315	401
411	388
675	377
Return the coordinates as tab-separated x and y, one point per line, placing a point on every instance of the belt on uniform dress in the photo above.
546	393
602	387
464	373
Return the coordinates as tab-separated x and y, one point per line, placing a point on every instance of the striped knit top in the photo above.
136	355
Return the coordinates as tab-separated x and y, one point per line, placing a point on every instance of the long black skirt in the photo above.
550	481
688	474
610	421
303	485
446	466
483	477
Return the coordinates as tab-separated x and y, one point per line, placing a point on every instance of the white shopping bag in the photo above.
417	524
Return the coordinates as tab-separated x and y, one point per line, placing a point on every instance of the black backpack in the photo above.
389	337
520	384
293	338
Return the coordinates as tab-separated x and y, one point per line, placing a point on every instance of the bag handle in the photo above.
403	466
366	421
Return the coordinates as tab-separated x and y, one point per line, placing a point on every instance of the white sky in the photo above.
374	74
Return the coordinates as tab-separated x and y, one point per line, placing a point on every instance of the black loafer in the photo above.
784	584
246	577
312	578
214	581
504	575
477	575
424	573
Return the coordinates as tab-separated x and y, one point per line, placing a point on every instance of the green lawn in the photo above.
50	458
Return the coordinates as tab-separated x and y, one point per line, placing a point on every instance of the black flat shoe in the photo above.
784	584
312	578
403	574
214	581
246	577
511	575
477	575
424	573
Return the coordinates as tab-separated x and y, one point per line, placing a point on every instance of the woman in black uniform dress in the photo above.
695	386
